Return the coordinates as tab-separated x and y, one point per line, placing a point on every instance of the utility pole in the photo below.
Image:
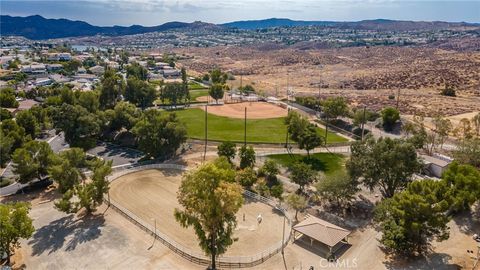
326	130
363	121
398	97
245	132
206	132
283	235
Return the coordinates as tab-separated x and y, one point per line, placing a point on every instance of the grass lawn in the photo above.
221	128
325	162
198	93
195	86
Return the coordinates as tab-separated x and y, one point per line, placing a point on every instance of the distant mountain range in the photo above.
37	27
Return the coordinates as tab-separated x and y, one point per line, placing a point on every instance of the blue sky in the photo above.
154	12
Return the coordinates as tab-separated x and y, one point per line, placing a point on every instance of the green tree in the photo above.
216	91
6	146
87	195
448	91
124	115
247	157
334	107
390	116
135	70
310	139
463	182
277	191
81	128
67	169
159	134
360	117
302	174
11	129
337	188
89	100
227	149
439	134
139	92
411	219
296	125
5	114
216	76
111	88
297	202
28	122
468	152
7	98
173	92
15	224
210	199
32	160
72	66
246	177
270	170
42	116
388	164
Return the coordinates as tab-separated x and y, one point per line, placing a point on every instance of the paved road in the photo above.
119	155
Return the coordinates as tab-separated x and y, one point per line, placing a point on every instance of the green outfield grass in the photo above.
326	162
272	130
195	86
197	93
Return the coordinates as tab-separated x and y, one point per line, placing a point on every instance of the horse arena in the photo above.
150	194
255	110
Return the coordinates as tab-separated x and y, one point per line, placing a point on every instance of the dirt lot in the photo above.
255	110
152	194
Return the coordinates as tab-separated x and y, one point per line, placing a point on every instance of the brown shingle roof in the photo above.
321	231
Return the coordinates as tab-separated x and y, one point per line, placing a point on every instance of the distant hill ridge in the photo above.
37	27
378	24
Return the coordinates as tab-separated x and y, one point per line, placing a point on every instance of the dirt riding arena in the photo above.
151	195
255	110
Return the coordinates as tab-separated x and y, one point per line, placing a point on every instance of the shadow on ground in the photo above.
433	261
468	221
110	150
66	232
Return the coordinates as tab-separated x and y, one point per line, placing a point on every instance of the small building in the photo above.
161	65
59	57
43	82
34	69
54	67
435	165
59	78
171	73
322	232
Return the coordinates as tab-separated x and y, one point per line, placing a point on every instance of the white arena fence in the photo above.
198	258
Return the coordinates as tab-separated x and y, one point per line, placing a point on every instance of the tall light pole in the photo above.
283	235
245	131
206	132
